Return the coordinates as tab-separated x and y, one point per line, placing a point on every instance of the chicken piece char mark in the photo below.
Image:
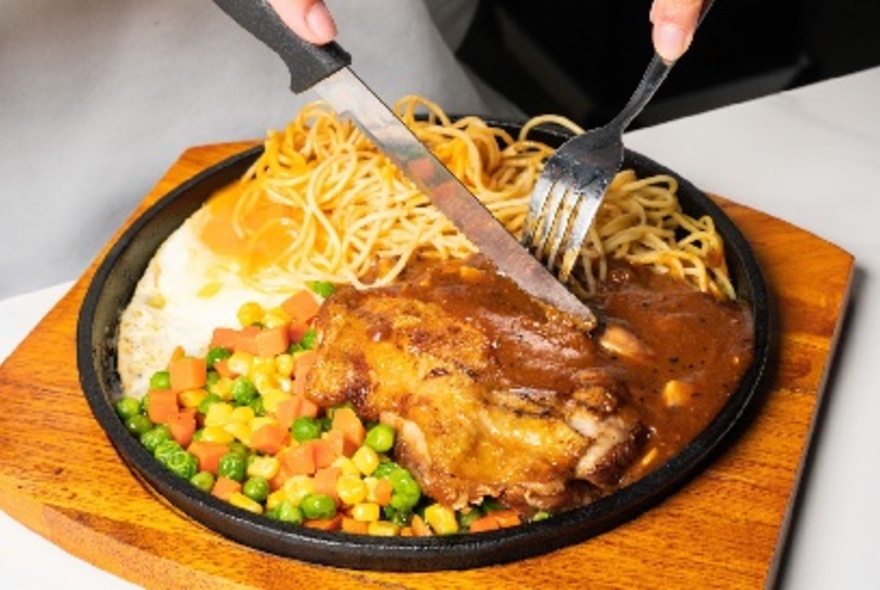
492	392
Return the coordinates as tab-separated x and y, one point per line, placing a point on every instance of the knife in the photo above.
325	70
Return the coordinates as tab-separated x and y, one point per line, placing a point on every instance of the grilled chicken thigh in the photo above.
492	393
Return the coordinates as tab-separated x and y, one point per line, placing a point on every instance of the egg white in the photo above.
186	291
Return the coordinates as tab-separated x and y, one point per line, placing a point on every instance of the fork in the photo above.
573	183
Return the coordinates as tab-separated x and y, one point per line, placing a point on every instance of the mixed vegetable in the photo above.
237	424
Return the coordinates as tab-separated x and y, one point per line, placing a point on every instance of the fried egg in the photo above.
188	289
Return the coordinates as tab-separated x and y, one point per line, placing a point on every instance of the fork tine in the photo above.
536	209
587	205
552	228
569	204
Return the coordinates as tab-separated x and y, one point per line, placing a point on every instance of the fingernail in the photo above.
320	22
670	41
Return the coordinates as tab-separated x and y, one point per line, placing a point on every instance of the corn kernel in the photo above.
266	467
191	398
250	313
441	519
285	385
275	317
275	498
264	381
240	362
298	487
242	501
216	434
366	512
383	528
223	388
243	414
365	459
218	414
272	398
284	365
346	466
352	490
240	430
262	364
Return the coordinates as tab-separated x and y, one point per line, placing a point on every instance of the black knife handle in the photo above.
308	63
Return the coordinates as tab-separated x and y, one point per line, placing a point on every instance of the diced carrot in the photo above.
346	421
208	453
355	527
225	487
307	407
224	337
272	341
420	527
295	407
296	330
302	306
269	438
247	340
304	363
325	481
188	373
162	405
182	426
286	411
325	452
382	492
341	445
506	518
325	524
299	460
282	476
222	368
177	354
485	523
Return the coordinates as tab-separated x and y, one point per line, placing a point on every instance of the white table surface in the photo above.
810	156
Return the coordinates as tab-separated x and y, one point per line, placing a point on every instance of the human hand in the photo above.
674	24
309	19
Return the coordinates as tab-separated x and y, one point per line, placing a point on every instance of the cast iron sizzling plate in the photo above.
113	286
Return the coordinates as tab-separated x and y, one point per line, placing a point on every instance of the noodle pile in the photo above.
352	217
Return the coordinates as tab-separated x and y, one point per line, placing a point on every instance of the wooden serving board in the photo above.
60	476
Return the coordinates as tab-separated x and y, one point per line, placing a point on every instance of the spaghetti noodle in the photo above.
342	212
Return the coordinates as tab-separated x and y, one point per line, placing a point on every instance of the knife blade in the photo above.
325	69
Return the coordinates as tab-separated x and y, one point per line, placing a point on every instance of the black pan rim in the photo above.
95	354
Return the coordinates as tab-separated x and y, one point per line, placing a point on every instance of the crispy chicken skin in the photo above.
492	393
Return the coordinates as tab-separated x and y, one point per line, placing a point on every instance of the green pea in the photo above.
385	469
160	380
155	436
539	516
183	464
305	428
287	512
256	488
318	506
323	288
218	353
239	448
309	339
243	391
165	449
198	435
211	379
126	407
257	405
138	424
400	517
232	465
380	438
204	480
407	491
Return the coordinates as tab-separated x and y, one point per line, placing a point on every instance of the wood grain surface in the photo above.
60	476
